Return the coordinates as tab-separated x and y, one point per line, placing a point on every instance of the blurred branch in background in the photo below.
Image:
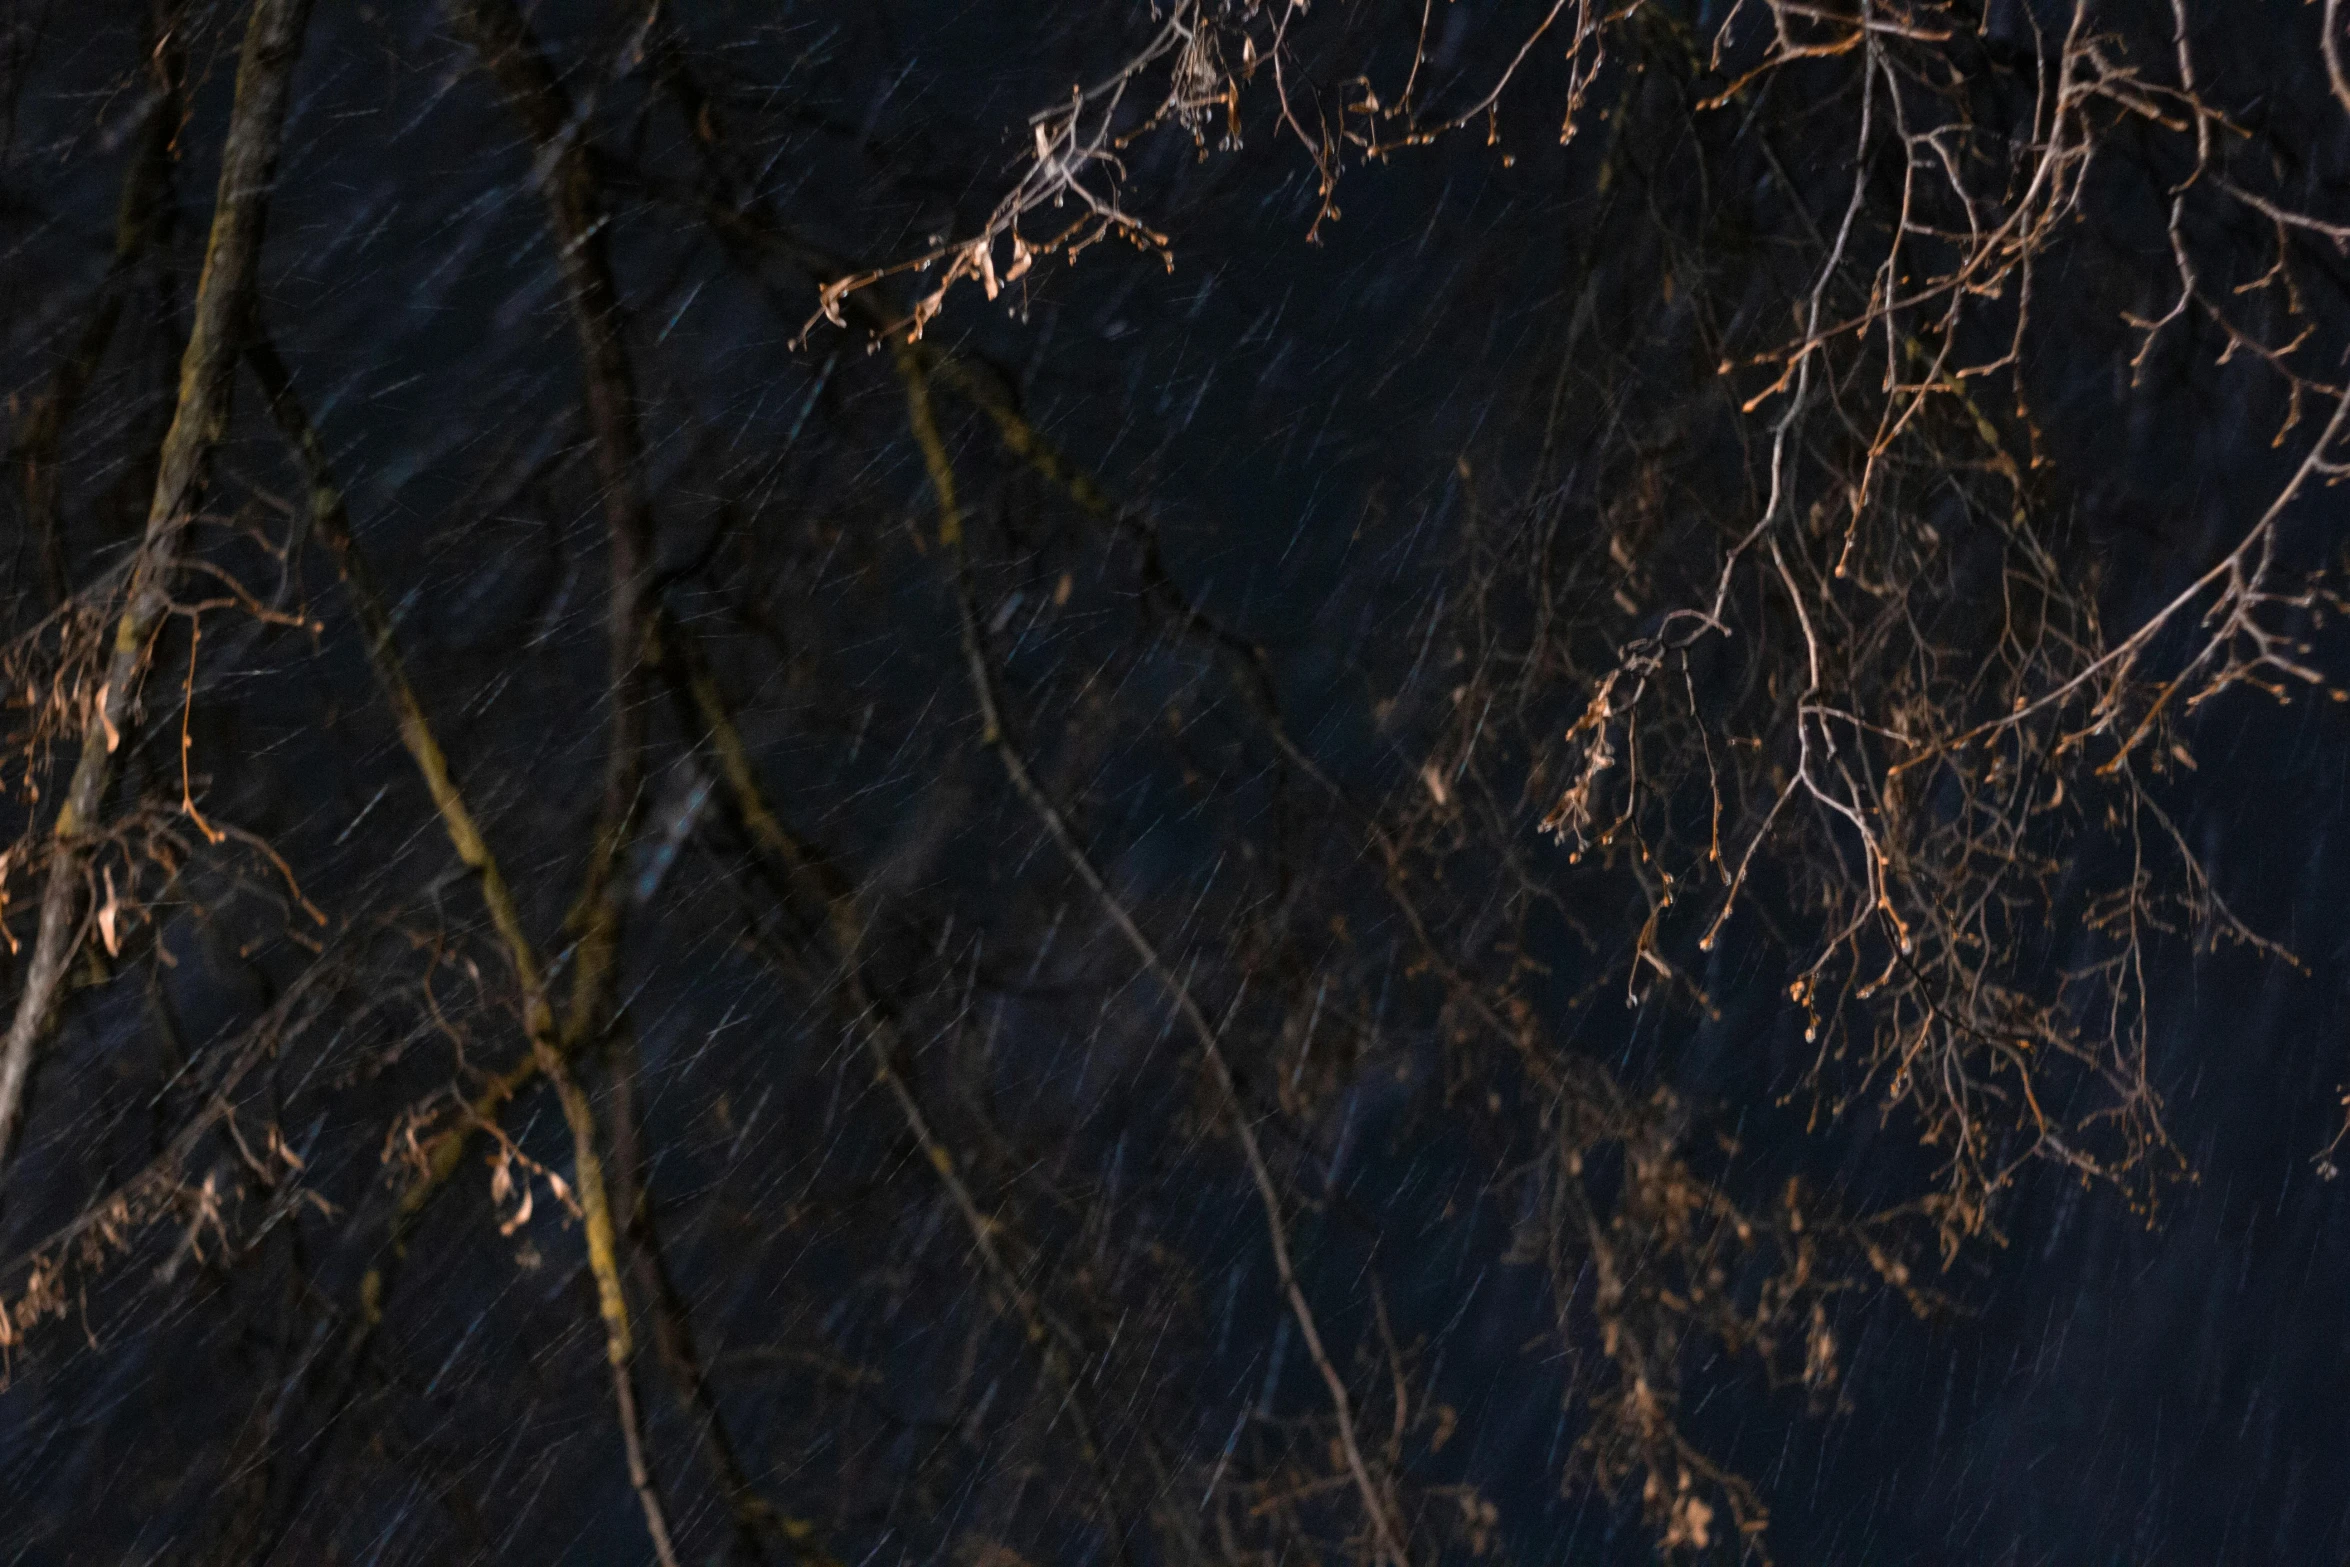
1095	834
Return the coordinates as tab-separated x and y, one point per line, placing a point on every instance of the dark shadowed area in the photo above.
1201	784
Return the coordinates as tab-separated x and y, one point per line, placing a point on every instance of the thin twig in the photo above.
995	737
